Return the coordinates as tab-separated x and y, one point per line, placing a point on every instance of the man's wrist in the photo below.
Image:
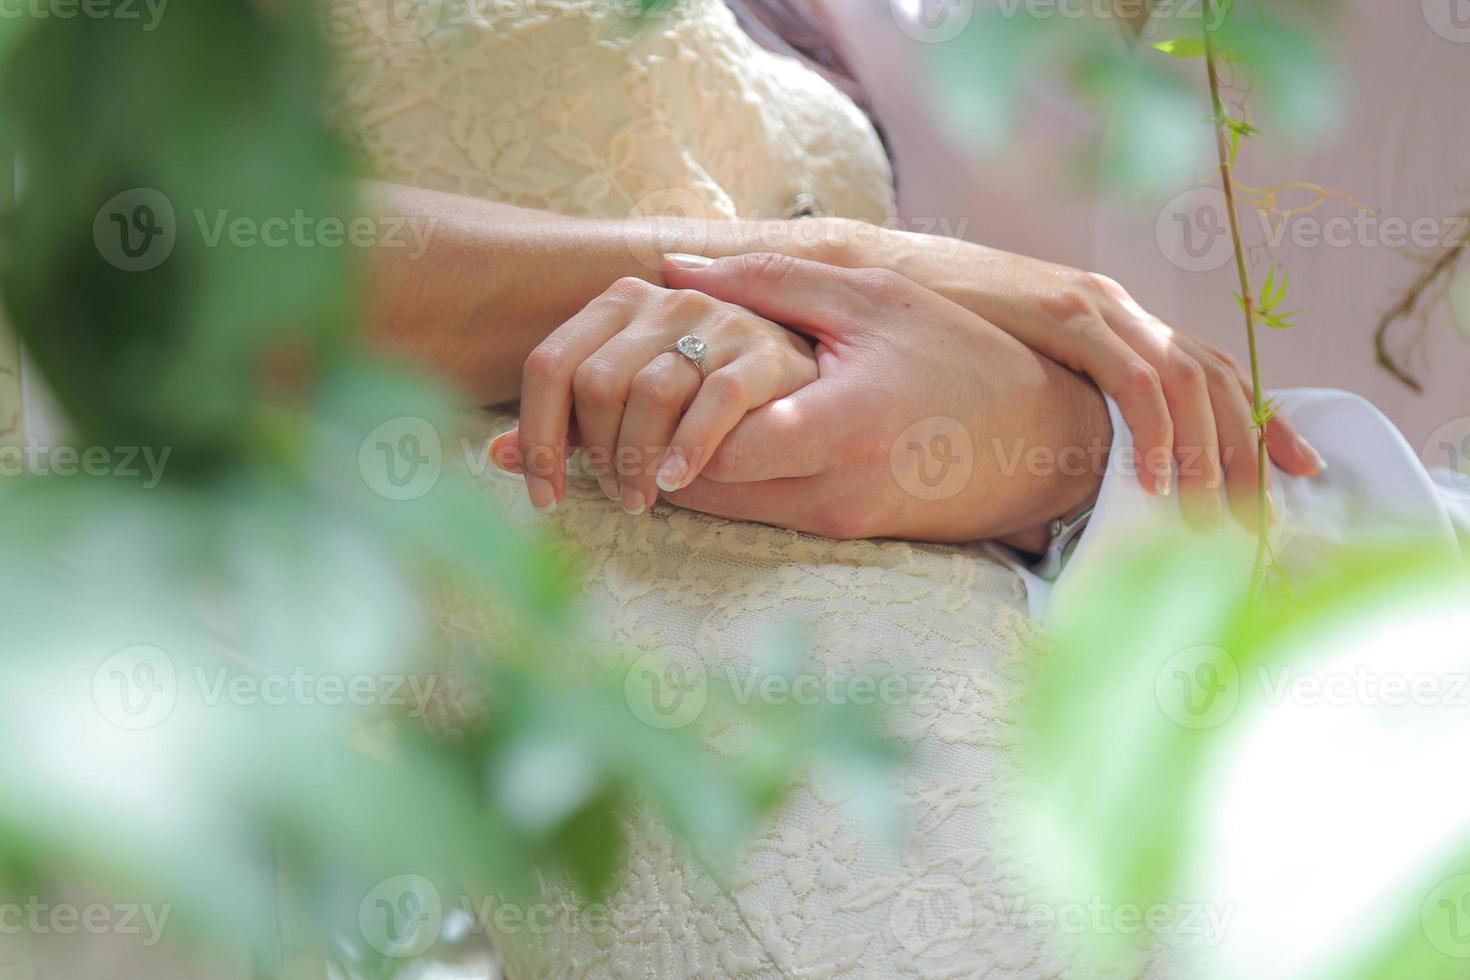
1073	478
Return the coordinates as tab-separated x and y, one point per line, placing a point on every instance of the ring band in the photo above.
693	349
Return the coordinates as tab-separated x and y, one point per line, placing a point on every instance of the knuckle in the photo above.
767	267
595	383
1187	373
727	387
688	302
629	289
881	286
545	363
1220	374
1073	304
656	385
1141	379
1100	285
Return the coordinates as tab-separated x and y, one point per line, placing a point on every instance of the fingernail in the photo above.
1164	483
670	474
1214	512
682	260
505	462
1313	457
609	487
633	502
543	498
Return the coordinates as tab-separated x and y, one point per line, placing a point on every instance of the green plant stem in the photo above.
1222	149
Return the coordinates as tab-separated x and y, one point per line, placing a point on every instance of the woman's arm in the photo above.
496	280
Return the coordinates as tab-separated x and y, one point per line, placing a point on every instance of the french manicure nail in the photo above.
543	498
633	502
1165	483
670	474
505	462
1313	457
609	487
683	260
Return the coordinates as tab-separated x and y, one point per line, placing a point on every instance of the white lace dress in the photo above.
560	105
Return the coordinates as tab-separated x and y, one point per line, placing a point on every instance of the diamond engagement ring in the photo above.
691	347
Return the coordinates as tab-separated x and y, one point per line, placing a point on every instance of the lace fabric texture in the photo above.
562	105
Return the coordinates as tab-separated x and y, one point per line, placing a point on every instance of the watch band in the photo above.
1064	533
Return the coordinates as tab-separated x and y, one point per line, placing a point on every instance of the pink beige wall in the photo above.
1402	148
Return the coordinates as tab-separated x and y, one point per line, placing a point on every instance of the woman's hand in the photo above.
644	415
1182	398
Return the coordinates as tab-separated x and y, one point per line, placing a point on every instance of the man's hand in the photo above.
927	423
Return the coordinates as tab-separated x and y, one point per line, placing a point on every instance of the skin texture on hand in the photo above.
926	423
1183	399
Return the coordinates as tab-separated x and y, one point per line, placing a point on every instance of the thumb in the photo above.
824	301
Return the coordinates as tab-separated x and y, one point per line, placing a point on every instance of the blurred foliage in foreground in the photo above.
276	549
1296	770
985	71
